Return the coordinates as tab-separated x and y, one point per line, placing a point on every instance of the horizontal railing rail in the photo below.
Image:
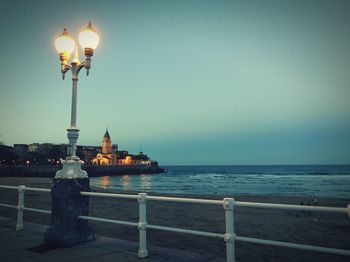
293	245
228	204
187	231
112	221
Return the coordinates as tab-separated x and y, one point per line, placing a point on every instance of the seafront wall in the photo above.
93	171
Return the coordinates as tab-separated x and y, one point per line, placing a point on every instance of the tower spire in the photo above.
106	143
106	133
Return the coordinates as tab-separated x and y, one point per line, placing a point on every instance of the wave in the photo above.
323	181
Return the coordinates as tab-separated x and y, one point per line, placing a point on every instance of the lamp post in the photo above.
65	45
66	202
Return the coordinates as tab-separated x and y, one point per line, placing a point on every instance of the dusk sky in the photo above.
194	82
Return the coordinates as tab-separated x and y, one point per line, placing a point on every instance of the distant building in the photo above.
7	155
45	148
21	150
114	148
88	153
106	157
110	155
51	154
33	147
61	150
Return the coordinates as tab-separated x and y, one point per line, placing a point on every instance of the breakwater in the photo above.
93	171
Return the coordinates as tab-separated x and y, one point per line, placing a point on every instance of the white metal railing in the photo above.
20	204
228	204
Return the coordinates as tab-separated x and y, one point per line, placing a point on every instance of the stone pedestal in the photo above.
67	204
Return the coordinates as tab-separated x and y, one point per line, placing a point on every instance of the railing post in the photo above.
20	207
230	230
142	199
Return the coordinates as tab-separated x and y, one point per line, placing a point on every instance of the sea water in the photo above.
308	180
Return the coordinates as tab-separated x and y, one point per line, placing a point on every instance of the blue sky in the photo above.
194	82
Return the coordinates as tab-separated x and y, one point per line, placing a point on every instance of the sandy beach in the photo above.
331	230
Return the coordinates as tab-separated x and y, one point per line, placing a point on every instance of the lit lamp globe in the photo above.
89	39
64	45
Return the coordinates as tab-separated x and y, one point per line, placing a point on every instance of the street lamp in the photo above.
67	204
65	46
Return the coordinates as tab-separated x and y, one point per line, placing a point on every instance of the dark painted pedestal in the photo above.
67	204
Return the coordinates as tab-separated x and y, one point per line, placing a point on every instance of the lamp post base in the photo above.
67	205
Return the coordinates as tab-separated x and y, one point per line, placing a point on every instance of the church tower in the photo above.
106	144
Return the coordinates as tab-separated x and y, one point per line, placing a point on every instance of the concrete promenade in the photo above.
27	246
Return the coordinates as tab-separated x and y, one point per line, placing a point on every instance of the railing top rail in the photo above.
113	195
38	189
292	207
186	200
8	187
27	188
